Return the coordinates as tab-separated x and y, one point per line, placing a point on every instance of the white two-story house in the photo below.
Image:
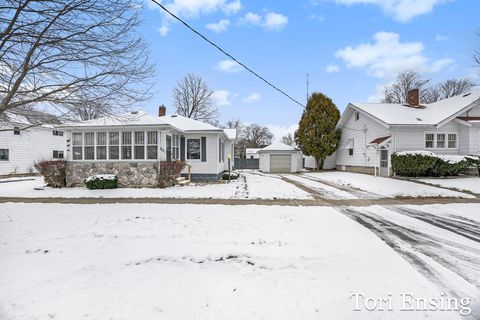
132	145
372	132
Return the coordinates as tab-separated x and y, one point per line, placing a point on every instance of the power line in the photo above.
227	54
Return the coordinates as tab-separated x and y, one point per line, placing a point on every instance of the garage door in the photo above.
280	163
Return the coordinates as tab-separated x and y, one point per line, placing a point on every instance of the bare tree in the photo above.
234	124
447	89
193	99
406	81
70	53
288	139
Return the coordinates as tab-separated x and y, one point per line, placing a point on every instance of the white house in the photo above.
131	146
27	136
371	132
280	158
252	153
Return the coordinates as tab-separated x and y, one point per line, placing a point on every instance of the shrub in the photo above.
428	164
168	171
233	175
475	161
53	172
102	181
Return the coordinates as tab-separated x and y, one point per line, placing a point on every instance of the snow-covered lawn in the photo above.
60	261
471	184
386	187
326	191
251	186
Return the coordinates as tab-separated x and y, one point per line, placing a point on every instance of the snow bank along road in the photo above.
150	261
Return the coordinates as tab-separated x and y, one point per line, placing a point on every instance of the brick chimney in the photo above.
162	110
413	98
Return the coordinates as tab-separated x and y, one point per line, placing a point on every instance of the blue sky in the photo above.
350	48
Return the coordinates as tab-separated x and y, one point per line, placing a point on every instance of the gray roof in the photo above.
28	117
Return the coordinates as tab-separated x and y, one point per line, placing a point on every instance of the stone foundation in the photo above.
357	169
129	174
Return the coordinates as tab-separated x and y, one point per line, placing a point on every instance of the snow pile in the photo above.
445	157
101	177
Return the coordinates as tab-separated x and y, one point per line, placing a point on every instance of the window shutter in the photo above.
203	149
182	148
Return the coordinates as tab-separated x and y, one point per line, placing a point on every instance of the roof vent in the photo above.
174	115
418	119
134	112
467	94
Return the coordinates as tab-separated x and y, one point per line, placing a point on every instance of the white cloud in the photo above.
387	56
400	10
252	98
275	21
332	68
220	26
228	66
232	7
222	98
280	131
193	8
163	30
271	21
440	38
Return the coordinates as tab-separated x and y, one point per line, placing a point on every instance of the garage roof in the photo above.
278	146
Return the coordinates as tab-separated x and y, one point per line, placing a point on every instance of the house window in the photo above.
440	140
89	146
126	145
139	145
452	140
16	131
57	133
357	116
101	145
350	152
219	150
77	146
57	154
4	156
429	140
223	151
152	145
113	149
193	149
169	148
176	147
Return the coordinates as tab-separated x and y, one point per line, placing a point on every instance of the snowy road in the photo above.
441	242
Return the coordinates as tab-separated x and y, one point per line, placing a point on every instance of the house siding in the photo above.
31	145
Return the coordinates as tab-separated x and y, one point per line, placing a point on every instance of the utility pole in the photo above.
308	93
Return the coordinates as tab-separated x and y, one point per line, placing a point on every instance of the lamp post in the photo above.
229	157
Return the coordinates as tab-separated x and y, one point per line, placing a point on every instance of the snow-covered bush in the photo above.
233	175
102	181
168	171
475	160
428	164
53	172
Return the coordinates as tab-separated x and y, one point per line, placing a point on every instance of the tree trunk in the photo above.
320	162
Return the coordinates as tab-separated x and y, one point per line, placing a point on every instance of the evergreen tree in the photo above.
316	134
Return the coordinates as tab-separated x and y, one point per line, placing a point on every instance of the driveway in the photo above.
441	242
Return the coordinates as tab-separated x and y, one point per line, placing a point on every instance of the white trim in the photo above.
435	133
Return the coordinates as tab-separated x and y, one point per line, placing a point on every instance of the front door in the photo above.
384	162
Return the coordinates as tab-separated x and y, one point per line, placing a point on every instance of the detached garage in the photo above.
280	158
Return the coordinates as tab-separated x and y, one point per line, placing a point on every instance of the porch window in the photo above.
175	147
4	156
77	146
452	140
193	149
169	148
152	144
126	145
114	140
101	145
139	145
440	140
429	140
89	147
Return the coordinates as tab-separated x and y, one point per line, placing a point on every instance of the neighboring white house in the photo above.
280	158
252	153
131	146
372	132
27	136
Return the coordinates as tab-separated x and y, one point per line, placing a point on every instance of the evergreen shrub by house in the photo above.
233	175
102	181
428	164
54	172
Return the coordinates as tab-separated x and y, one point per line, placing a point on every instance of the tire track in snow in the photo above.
361	194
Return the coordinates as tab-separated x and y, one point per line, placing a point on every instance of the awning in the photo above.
380	141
